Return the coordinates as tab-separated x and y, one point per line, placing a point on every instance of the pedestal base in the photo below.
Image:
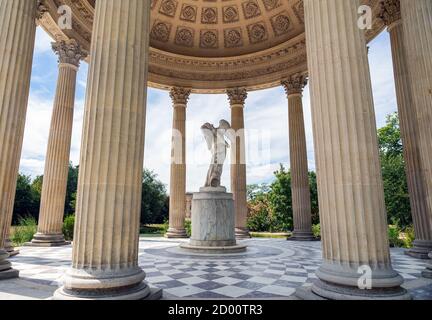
9	274
48	240
214	250
10	248
341	282
427	273
106	285
176	234
242	233
420	249
213	223
303	236
322	291
6	271
142	292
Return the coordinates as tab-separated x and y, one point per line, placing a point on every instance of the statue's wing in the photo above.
208	136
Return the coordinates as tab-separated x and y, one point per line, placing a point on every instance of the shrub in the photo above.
409	237
259	217
165	227
188	227
316	229
24	232
68	227
394	236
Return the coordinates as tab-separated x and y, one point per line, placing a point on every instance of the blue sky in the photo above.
266	119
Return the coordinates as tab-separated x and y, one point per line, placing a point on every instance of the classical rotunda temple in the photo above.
231	47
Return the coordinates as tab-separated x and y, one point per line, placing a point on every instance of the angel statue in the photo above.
216	139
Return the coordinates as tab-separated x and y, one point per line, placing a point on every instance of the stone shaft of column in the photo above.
17	37
57	160
417	22
351	196
105	253
237	99
177	209
300	190
421	214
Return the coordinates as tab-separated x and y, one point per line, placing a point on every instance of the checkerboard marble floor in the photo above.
270	269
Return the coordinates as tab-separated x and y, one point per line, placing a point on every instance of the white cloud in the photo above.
43	41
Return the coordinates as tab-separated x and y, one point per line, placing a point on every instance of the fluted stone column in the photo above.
105	253
17	37
353	218
177	209
417	22
300	190
54	186
237	98
421	214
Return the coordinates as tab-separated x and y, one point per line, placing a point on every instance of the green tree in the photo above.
72	186
26	203
154	208
393	171
260	217
314	197
281	200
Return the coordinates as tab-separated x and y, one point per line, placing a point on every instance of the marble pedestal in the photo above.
213	223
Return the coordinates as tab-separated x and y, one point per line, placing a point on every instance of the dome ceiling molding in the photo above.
209	67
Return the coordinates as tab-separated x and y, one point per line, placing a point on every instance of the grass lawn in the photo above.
152	230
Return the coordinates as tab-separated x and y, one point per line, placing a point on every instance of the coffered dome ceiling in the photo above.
211	45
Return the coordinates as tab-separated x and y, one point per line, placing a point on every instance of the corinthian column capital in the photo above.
41	9
295	84
237	96
69	52
180	95
390	12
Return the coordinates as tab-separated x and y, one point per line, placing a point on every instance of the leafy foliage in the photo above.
270	206
68	227
154	203
393	171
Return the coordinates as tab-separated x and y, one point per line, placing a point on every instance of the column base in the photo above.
214	249
242	233
106	285
420	249
48	240
176	234
427	273
341	282
6	271
303	236
10	248
325	291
